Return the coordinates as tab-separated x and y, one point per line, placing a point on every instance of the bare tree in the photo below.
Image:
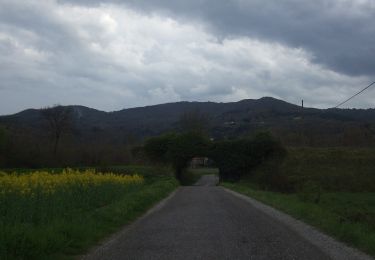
59	120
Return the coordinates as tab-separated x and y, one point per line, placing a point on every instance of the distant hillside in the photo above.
292	124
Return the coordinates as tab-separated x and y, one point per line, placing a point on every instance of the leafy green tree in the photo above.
177	149
236	158
184	147
157	148
232	157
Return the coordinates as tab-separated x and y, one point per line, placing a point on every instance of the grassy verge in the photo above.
333	169
61	236
350	217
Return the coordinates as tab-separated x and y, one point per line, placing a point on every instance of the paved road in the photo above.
207	222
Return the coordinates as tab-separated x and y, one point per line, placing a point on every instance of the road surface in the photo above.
208	222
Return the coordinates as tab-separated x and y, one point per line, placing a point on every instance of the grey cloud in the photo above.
47	57
339	33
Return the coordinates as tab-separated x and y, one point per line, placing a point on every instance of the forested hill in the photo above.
292	124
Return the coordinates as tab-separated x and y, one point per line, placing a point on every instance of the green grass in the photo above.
74	231
150	173
334	169
143	170
350	217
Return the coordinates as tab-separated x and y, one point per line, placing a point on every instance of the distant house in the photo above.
230	123
197	162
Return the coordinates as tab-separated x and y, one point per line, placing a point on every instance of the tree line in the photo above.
58	144
235	158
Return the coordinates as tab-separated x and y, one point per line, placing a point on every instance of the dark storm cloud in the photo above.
339	33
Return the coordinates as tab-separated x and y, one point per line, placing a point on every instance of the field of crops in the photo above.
44	213
39	196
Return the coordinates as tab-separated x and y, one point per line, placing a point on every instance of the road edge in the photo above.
333	248
100	248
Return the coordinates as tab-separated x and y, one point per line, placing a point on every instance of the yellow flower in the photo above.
42	182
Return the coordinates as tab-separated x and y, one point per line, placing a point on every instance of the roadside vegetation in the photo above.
332	189
60	214
234	158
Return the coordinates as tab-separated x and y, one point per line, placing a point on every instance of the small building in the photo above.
197	162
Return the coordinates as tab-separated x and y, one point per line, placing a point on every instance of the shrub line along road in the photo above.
209	222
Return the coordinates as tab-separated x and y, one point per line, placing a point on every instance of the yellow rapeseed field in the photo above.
43	213
47	183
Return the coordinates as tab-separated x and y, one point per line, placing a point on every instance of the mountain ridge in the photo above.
226	120
153	106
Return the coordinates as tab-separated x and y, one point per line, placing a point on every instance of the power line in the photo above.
354	95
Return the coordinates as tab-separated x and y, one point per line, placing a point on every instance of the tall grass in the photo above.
334	169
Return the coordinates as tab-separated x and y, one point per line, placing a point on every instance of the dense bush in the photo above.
177	149
236	158
232	158
156	148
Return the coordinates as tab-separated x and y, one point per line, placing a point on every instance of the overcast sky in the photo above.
117	54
